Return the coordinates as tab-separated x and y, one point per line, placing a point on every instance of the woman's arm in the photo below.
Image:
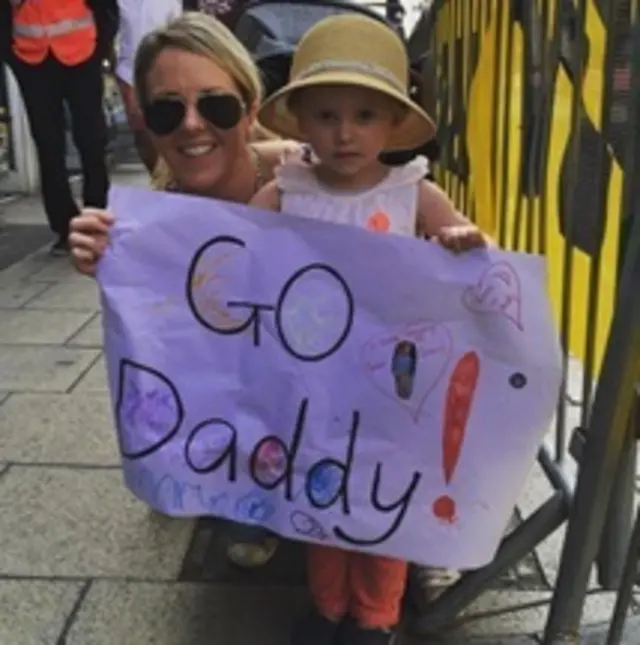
267	198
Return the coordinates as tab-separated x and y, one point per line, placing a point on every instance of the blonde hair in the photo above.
204	35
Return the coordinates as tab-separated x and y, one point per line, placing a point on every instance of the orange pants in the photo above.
367	587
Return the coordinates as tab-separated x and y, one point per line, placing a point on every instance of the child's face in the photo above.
347	127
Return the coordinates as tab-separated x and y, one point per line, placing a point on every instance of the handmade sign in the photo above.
332	384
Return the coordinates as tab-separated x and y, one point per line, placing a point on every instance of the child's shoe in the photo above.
251	555
316	629
250	546
433	582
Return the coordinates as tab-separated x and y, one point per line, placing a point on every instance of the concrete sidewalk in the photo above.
83	563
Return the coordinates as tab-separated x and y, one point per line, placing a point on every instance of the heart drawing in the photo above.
407	363
497	292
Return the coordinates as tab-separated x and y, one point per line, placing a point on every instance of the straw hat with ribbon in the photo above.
350	49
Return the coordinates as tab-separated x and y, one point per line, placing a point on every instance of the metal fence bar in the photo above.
611	413
520	16
560	62
605	440
567	216
457	82
552	20
506	18
521	541
498	16
618	526
599	194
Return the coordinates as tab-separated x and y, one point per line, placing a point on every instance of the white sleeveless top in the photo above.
390	206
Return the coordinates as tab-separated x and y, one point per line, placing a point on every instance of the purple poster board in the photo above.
334	385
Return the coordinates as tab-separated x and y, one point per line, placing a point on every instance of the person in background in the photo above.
56	52
137	18
226	11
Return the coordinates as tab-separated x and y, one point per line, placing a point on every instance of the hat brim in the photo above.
415	129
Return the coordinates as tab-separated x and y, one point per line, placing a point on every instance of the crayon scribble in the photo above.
304	524
171	495
254	507
497	292
211	274
149	411
324	484
315	310
270	462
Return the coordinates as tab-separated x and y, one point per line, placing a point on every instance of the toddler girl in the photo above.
347	98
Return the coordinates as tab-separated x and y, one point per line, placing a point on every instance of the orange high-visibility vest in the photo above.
66	28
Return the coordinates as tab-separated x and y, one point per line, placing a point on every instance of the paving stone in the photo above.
537	490
185	614
20	240
89	336
42	369
84	522
95	380
25	269
598	607
596	634
34	612
26	210
465	639
505	612
4	396
512	612
24	326
19	293
55	270
58	428
73	293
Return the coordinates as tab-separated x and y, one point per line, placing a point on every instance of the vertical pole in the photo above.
618	527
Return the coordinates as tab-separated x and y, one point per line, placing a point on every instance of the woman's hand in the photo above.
460	238
89	237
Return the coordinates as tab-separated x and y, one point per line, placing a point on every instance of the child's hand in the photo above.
460	238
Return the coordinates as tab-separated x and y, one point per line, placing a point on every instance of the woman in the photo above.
199	92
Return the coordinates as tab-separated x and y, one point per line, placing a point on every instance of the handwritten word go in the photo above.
281	309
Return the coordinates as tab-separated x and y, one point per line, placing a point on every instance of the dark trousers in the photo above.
46	88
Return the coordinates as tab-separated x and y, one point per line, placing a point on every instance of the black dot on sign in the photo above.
517	380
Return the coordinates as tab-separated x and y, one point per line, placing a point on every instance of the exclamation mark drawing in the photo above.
462	387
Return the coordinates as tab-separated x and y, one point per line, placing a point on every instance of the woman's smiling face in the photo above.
200	155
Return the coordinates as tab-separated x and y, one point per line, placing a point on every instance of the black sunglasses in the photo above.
165	114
